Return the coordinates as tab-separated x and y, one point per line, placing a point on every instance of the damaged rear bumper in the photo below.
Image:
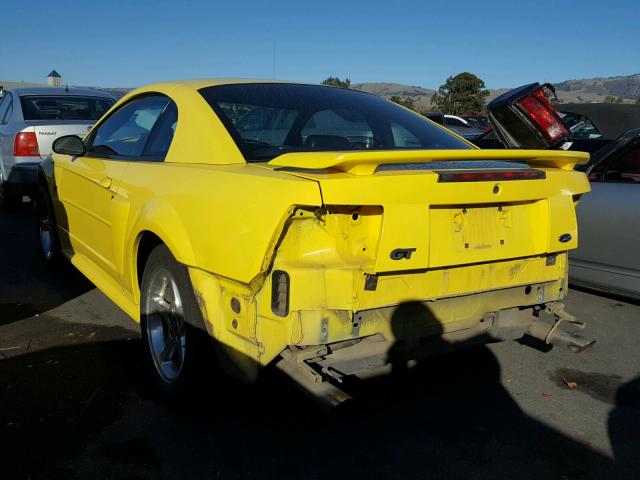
319	370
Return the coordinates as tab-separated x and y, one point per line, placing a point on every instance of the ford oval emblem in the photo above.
565	237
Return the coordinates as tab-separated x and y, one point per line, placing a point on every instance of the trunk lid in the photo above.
432	221
48	130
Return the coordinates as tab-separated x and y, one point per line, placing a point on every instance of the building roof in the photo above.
54	74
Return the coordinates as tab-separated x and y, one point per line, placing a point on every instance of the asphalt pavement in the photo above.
74	402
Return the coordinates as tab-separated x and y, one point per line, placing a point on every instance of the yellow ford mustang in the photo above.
324	230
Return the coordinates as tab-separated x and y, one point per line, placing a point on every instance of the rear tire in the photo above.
175	341
47	228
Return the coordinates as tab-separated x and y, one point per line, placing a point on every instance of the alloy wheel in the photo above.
44	229
165	325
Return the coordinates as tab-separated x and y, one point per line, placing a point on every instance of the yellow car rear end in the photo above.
413	254
325	231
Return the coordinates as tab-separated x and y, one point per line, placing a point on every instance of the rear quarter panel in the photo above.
222	219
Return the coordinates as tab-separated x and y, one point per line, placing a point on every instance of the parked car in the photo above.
454	123
478	121
325	258
30	120
462	127
607	257
593	125
609	224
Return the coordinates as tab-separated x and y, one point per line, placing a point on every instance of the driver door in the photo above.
89	186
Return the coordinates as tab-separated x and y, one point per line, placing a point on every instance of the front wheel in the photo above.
175	341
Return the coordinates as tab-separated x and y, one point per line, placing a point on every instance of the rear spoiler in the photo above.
365	162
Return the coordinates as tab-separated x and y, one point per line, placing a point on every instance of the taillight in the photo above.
537	106
490	176
524	118
26	145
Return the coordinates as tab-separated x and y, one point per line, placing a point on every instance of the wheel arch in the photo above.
147	241
158	224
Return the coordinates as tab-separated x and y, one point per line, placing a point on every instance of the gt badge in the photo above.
400	253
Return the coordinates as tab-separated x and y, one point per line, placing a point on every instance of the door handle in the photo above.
105	182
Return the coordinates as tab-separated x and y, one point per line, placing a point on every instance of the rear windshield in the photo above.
267	120
64	107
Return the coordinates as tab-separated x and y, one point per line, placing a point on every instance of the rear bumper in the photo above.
23	178
405	310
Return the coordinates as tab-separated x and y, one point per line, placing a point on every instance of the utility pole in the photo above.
273	75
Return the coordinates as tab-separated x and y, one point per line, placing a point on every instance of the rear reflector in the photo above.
538	108
490	176
26	145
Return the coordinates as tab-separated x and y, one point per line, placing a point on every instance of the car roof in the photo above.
59	91
199	83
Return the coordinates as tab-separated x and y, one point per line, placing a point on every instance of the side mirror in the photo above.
70	145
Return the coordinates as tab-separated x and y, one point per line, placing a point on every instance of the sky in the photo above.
506	43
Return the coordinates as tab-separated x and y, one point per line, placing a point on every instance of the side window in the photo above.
126	131
162	134
6	108
337	129
625	168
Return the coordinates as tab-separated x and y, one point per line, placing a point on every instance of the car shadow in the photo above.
81	410
28	287
624	428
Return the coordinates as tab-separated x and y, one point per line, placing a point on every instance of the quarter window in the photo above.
126	132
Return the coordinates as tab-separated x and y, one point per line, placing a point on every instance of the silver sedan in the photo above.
608	254
30	120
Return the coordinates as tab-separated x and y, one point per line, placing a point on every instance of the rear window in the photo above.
269	119
64	107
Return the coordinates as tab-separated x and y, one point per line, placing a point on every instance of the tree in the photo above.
638	101
336	82
406	102
463	94
612	99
